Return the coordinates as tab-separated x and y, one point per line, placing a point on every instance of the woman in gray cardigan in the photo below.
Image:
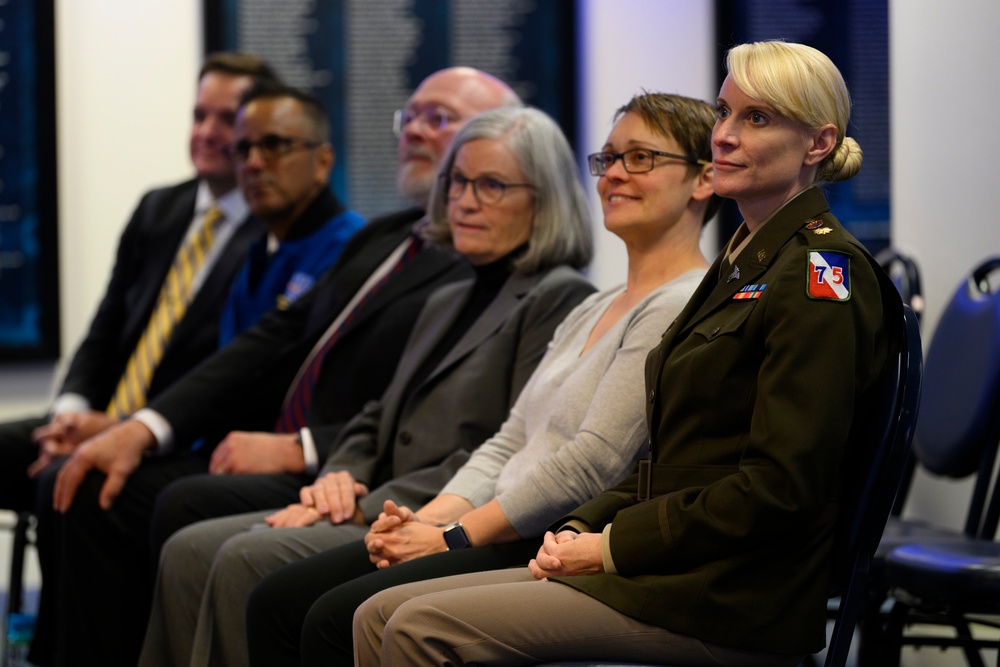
577	427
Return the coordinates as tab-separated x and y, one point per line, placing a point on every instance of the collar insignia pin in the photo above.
735	275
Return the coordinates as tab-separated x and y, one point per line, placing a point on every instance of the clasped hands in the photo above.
399	535
332	497
567	554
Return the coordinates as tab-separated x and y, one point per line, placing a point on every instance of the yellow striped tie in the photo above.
175	295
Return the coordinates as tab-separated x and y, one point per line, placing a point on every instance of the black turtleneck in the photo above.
489	279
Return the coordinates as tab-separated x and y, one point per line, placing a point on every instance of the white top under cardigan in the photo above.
580	422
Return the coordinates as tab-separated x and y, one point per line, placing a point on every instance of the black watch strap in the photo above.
455	536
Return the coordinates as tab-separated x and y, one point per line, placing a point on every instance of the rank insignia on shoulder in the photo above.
813	224
750	292
822	230
829	275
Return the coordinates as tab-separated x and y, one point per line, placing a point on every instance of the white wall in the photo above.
627	46
125	83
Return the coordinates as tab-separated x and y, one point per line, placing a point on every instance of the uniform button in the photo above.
405	438
716	330
652	395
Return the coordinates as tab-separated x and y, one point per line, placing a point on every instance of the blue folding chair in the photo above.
935	580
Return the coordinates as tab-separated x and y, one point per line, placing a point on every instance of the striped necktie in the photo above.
296	407
175	295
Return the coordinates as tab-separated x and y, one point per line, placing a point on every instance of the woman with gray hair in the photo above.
510	202
561	229
577	426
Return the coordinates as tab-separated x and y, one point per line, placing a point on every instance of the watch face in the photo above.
455	537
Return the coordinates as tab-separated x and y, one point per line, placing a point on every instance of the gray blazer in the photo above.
405	450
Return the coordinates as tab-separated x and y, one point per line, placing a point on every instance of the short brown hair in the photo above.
686	120
238	64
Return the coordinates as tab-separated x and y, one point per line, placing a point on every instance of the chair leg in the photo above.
16	591
972	655
871	629
890	646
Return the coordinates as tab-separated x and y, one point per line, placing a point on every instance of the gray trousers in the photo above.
207	571
506	617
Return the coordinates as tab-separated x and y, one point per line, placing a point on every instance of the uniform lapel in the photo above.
491	319
759	254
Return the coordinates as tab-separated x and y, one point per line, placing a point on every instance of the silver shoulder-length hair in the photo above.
563	229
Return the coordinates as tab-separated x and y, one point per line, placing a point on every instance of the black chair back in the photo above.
958	431
879	460
905	275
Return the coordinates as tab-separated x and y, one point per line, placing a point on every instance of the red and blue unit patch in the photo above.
829	275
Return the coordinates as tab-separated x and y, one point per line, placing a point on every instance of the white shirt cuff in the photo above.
609	562
309	453
70	403
160	427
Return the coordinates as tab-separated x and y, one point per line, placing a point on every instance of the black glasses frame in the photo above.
601	162
271	147
450	181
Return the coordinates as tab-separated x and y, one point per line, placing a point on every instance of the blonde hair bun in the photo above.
843	163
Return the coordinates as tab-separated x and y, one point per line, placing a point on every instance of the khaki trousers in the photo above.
506	617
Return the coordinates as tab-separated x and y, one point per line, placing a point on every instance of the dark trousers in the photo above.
302	614
199	497
17	452
97	570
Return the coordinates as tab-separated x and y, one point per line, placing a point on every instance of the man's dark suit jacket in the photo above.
145	253
243	386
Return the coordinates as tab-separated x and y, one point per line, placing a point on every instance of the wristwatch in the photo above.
455	537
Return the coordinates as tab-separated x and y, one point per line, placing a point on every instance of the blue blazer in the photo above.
313	244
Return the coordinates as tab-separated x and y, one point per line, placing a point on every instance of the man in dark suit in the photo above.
164	226
147	249
363	307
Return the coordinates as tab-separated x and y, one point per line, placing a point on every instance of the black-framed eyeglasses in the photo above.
434	118
270	146
486	189
635	161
